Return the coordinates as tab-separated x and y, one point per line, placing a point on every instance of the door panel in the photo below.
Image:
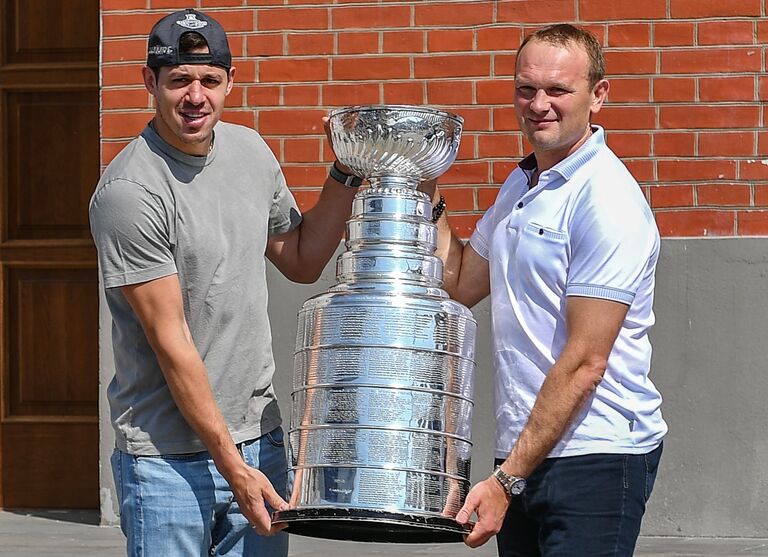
48	348
59	470
49	199
49	165
48	31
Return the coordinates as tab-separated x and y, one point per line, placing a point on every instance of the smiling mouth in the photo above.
193	116
541	124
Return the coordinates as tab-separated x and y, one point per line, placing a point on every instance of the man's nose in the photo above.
540	102
195	93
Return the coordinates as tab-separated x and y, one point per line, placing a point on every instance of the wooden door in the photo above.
49	165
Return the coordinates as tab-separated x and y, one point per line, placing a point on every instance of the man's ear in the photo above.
150	79
599	94
230	79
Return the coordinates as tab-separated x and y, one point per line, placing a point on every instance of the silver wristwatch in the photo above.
514	485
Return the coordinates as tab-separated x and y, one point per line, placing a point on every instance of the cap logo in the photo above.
191	22
160	50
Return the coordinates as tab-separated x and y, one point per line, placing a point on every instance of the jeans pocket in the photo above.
117	473
651	467
625	470
276	437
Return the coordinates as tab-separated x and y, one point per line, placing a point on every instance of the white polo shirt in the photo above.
584	230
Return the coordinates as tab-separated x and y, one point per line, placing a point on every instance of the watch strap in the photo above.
513	485
349	180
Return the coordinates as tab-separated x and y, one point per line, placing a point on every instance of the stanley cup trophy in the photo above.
384	362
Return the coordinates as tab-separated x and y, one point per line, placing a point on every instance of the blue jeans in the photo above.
580	506
180	505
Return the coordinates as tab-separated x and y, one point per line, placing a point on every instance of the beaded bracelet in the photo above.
438	209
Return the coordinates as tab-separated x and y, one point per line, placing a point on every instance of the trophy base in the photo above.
365	525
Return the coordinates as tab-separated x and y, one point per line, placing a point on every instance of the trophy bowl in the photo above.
395	144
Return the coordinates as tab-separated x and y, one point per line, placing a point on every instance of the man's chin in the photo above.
194	134
541	141
193	144
194	138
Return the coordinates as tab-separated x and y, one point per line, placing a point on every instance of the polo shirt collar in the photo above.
592	146
569	165
529	163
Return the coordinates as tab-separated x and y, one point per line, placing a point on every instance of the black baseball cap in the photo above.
163	45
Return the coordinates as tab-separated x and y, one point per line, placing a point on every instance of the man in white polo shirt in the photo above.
568	254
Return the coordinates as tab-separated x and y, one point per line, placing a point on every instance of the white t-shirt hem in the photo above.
594	448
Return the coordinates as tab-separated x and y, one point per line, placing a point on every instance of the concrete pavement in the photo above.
77	534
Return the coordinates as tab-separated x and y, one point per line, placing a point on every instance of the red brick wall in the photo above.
685	109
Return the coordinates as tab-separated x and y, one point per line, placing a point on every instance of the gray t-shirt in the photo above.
157	211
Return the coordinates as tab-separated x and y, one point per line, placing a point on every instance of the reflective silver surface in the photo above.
394	264
395	143
379	435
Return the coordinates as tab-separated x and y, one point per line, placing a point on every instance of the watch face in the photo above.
511	484
517	487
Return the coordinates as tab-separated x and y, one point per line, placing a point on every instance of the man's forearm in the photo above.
465	277
302	254
323	226
593	325
449	249
187	381
562	395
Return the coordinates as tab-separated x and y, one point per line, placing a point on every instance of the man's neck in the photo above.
195	149
547	159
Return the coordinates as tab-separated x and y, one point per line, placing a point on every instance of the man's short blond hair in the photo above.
566	35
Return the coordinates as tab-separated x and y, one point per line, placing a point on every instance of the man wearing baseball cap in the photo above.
182	219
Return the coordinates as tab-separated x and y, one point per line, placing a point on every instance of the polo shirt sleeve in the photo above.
130	230
514	187
613	239
480	240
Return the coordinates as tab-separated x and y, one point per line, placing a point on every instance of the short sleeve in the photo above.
284	215
512	189
130	228
612	241
480	238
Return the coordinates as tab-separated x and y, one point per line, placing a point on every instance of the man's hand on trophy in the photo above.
489	502
428	187
453	500
254	492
